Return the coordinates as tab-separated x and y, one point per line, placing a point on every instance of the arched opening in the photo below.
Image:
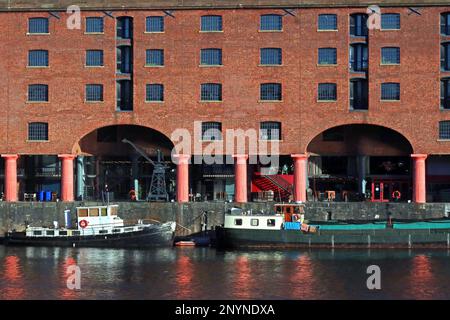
359	162
109	167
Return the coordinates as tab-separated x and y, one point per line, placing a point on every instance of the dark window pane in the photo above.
270	130
390	91
445	56
38	92
94	25
154	57
270	91
211	131
211	23
271	56
124	29
211	57
358	94
38	58
445	94
390	55
38	25
445	24
358	25
327	22
271	22
390	21
154	92
358	57
154	24
94	92
38	131
327	92
444	130
211	92
327	56
94	58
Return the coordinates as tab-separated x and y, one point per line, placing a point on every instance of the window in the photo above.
94	25
445	56
124	59
154	24
154	57
271	222
390	21
270	56
445	93
254	222
38	131
271	22
38	25
211	57
211	92
211	131
154	92
238	222
358	94
358	25
94	212
211	23
94	58
327	22
38	92
390	91
327	92
124	28
38	58
94	92
390	55
82	213
445	24
358	56
124	95
107	134
444	130
270	92
270	130
327	56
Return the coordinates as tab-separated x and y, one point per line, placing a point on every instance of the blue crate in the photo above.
292	225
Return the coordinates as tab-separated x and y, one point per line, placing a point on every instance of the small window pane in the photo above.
444	130
390	55
94	58
38	25
38	131
271	22
211	57
154	24
94	92
38	58
327	56
445	56
211	23
154	92
445	94
358	25
38	92
270	131
390	21
390	91
94	25
271	56
270	91
211	131
327	22
445	24
154	57
327	92
211	92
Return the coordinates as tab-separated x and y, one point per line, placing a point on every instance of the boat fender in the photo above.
83	224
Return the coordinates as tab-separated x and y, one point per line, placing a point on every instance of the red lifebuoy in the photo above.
83	224
396	194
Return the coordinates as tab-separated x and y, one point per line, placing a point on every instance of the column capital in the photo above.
240	158
10	156
299	156
419	156
181	158
67	156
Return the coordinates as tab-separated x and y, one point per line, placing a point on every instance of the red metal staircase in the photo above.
280	184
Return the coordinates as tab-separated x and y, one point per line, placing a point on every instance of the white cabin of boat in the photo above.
98	217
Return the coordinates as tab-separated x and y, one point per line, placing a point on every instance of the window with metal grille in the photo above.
38	25
38	58
154	24
38	92
358	25
38	131
211	92
327	56
271	22
390	91
211	23
444	130
270	56
445	24
327	92
94	25
445	56
327	22
358	56
94	92
154	57
445	93
359	94
211	57
270	130
270	92
390	55
154	92
94	58
211	131
390	21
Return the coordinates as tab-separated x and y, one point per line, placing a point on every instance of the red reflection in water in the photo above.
242	282
184	276
13	275
67	293
421	278
302	278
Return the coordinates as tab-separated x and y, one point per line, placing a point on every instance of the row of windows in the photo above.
328	92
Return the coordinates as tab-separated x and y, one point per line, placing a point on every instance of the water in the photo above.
203	273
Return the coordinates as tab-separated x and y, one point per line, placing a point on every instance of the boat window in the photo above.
288	209
104	212
238	222
254	222
63	233
279	209
296	210
37	233
129	229
93	212
75	233
103	231
271	222
50	233
82	213
116	230
113	211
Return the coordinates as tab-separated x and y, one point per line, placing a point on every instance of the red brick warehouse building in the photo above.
358	113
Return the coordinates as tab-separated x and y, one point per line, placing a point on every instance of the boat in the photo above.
97	226
287	228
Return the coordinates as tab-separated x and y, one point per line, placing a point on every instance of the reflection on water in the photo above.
203	273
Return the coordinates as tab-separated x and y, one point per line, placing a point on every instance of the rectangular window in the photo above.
327	22
94	92
270	130
211	92
238	222
270	92
444	130
327	56
445	93
390	91
154	57
390	21
211	23
38	92
94	25
94	58
154	92
270	56
271	22
211	57
38	58
390	55
359	94
445	56
271	222
254	222
154	24
327	92
358	25
38	25
445	24
124	95
359	59
211	131
38	131
124	28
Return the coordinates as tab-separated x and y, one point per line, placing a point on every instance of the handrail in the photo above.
287	187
